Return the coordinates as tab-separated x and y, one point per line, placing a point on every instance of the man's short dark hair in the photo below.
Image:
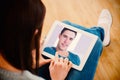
64	29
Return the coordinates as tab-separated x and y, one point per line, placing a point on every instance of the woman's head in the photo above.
19	20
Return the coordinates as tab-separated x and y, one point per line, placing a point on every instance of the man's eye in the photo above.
71	39
65	36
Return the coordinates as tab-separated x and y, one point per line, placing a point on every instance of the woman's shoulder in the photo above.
25	75
31	76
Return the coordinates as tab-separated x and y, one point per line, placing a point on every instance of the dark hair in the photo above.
64	29
19	20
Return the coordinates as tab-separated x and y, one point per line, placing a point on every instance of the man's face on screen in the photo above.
65	40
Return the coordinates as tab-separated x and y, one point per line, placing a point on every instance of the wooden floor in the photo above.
86	13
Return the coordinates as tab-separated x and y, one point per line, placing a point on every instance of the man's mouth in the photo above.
64	45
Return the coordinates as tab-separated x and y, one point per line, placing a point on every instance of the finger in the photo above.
69	65
66	61
61	60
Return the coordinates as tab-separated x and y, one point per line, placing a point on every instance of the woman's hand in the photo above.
43	61
59	68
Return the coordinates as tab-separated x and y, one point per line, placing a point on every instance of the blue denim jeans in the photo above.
90	66
89	69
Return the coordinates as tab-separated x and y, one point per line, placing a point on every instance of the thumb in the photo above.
47	61
44	61
51	64
56	55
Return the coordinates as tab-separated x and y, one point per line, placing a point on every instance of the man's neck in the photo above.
63	53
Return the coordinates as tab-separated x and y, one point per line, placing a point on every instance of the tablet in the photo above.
80	47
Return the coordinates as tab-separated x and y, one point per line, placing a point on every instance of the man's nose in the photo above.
66	40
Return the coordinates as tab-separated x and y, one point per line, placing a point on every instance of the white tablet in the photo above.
80	46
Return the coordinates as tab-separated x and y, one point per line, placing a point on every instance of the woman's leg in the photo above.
87	73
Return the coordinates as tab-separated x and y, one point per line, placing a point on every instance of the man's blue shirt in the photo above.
72	57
